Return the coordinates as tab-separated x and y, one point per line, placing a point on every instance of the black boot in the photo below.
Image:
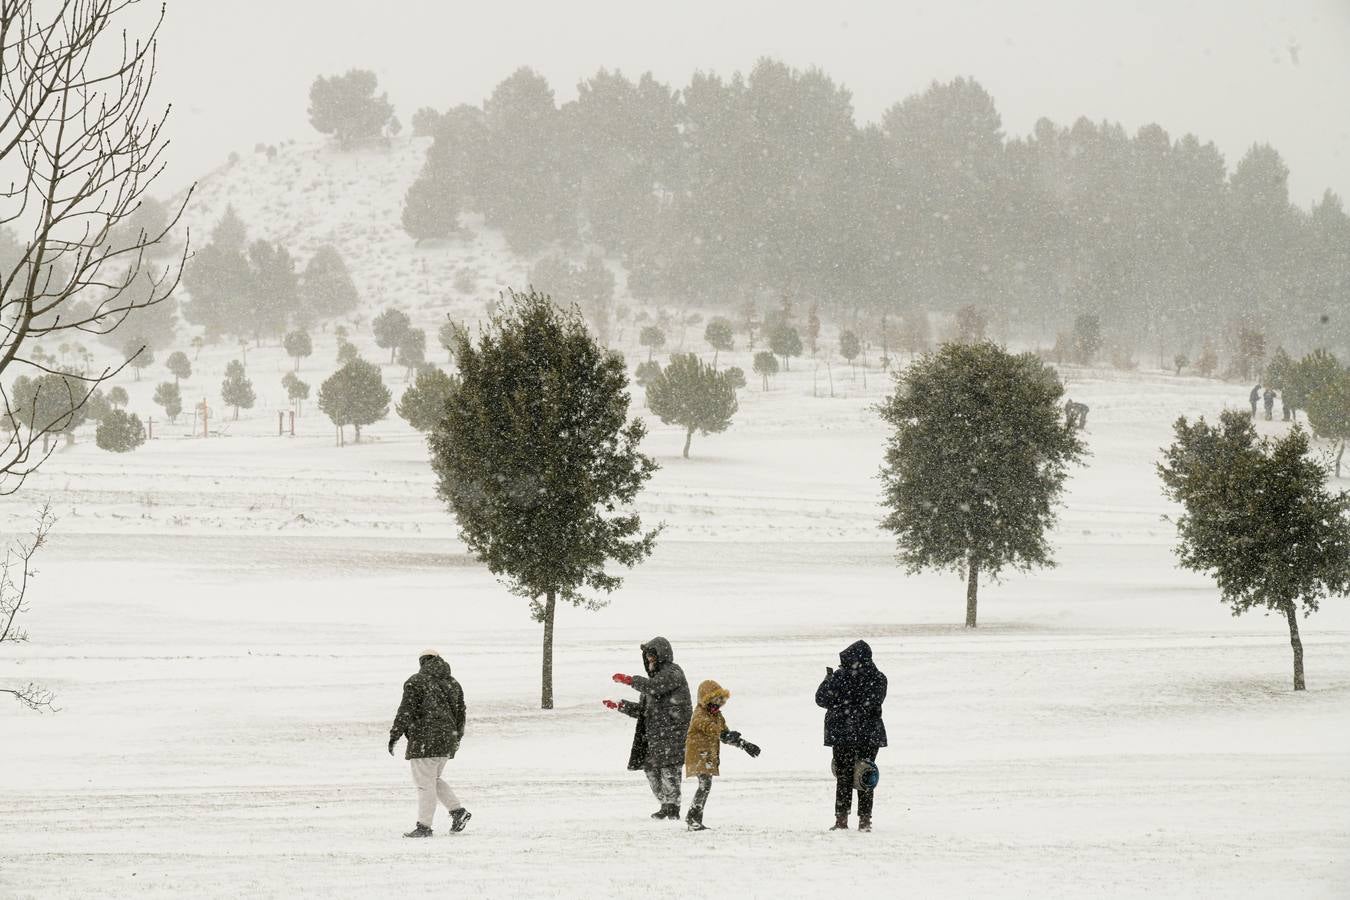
459	818
840	822
667	811
695	819
420	831
864	823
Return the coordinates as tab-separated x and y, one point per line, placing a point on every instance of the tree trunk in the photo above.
1297	643
972	587
358	432
1339	454
715	352
546	688
297	365
688	436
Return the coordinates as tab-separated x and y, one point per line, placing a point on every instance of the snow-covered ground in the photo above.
227	622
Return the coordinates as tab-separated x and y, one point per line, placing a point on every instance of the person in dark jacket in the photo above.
1254	397
431	715
662	711
852	697
1268	398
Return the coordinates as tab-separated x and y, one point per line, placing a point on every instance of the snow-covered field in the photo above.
227	623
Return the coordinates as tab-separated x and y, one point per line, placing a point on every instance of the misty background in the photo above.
1234	73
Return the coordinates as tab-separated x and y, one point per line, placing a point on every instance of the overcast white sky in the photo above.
1232	71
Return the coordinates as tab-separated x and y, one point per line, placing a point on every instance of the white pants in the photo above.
426	774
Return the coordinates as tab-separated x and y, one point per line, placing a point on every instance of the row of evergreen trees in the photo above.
753	186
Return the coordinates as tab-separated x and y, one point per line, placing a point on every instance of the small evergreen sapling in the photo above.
236	390
719	336
297	391
168	396
390	328
787	343
976	462
423	403
653	338
354	395
693	395
766	365
1257	515
179	366
412	350
298	345
120	432
117	396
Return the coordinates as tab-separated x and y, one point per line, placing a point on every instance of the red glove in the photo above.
623	679
611	704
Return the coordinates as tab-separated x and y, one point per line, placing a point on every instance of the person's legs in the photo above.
844	760
443	790
654	782
424	772
670	775
701	795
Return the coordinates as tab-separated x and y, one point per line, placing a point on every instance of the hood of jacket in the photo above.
434	666
659	646
856	653
710	692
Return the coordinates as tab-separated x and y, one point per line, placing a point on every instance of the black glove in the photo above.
752	749
392	742
731	737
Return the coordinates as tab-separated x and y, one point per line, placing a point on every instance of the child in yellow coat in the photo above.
702	748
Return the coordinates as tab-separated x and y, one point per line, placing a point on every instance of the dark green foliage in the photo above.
355	395
736	377
298	345
1279	371
236	390
273	295
346	107
178	365
766	365
719	336
97	406
119	432
390	328
785	342
538	461
1329	413
1257	517
976	462
430	208
327	289
693	395
53	403
1311	373
423	403
117	396
346	351
168	396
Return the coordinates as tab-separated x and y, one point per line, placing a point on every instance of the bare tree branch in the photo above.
16	573
75	128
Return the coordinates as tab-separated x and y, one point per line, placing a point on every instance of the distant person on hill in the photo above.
852	696
662	711
1269	399
1255	397
1069	414
703	751
1080	415
431	715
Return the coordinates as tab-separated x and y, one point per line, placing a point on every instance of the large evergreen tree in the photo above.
1258	517
693	395
346	107
976	462
327	290
539	462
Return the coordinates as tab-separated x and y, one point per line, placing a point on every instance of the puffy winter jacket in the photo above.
703	747
852	697
432	712
662	712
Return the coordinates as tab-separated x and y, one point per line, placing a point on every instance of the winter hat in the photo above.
429	652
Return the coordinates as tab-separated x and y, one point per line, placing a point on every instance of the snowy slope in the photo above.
227	622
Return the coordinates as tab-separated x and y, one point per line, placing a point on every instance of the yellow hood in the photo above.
712	692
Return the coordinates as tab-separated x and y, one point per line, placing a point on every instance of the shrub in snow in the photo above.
354	395
423	403
119	432
390	328
236	390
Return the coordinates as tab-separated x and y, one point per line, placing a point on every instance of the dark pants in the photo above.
665	784
701	795
845	760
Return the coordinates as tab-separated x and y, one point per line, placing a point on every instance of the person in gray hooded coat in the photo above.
662	711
